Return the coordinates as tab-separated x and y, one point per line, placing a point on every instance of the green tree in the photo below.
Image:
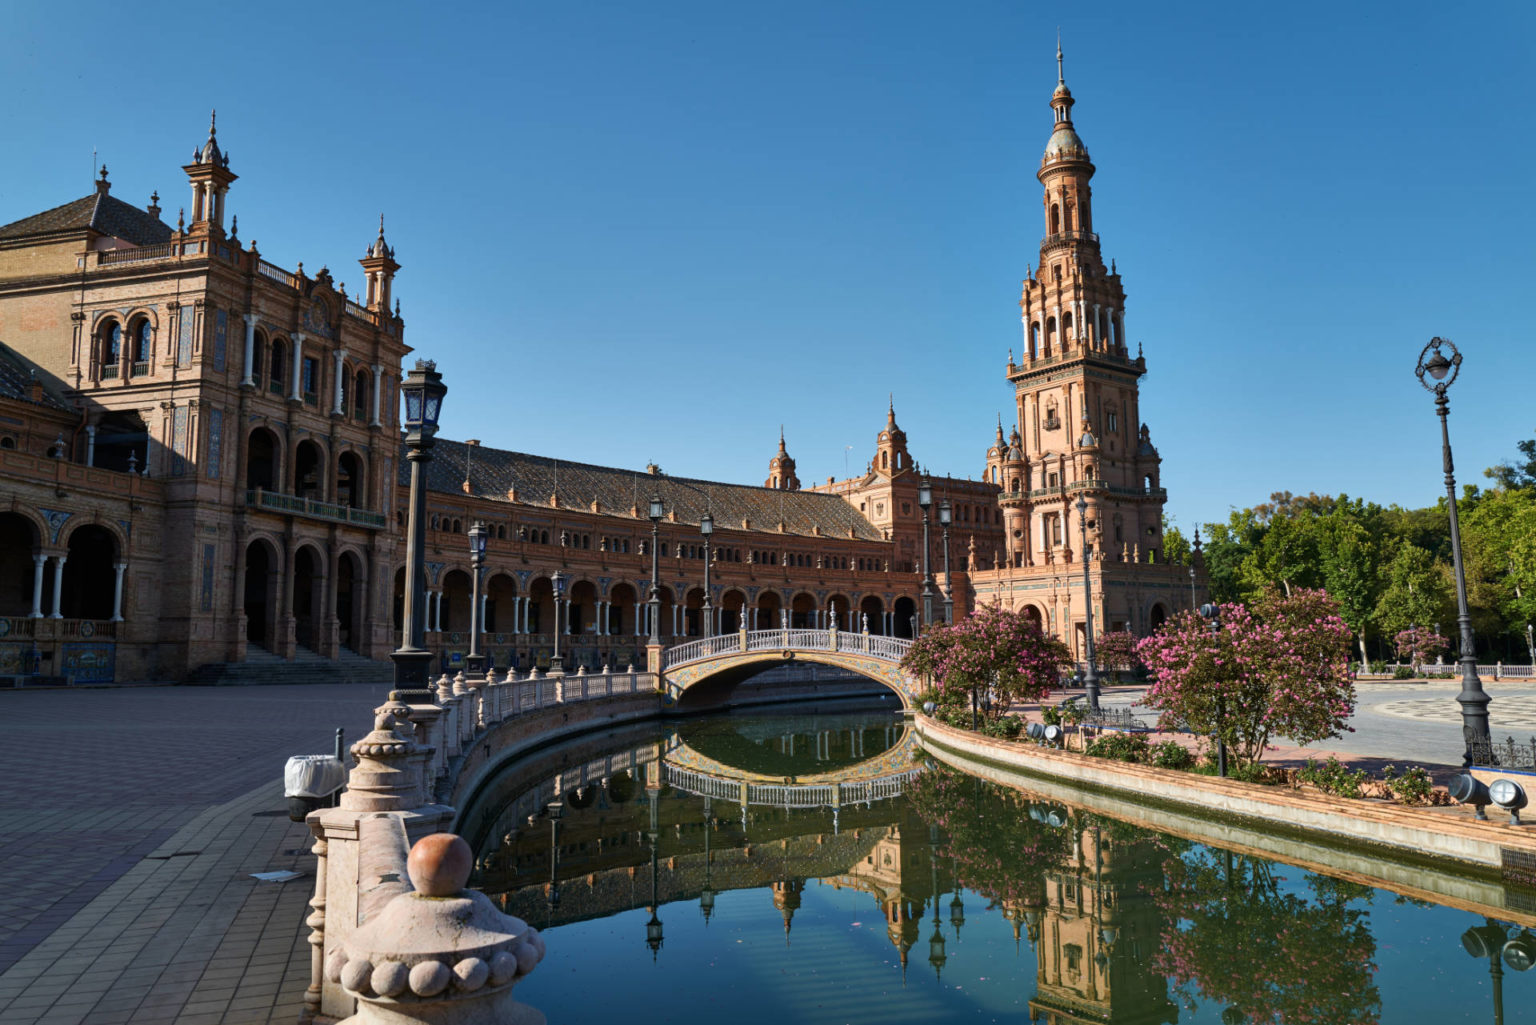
1519	475
1286	556
1176	547
1350	570
1415	589
1227	546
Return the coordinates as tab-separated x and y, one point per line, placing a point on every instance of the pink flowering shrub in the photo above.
991	647
1420	644
1280	669
1116	652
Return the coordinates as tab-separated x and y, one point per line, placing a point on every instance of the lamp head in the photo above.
423	389
944	512
558	583
657	509
1439	362
1082	506
924	494
477	536
706	524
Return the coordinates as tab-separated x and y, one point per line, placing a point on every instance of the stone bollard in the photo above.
439	954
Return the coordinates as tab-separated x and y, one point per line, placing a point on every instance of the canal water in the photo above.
817	868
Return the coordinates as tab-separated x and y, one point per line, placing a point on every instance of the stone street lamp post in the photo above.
657	512
707	528
1091	673
557	584
423	390
949	586
1212	613
474	662
1436	372
924	501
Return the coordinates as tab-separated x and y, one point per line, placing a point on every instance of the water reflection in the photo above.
1123	925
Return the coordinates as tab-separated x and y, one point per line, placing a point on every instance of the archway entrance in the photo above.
122	442
350	601
769	606
260	594
872	614
88	575
308	576
261	460
905	617
18	543
1157	617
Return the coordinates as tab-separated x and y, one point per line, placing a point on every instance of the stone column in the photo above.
38	563
296	393
58	585
117	592
249	381
90	444
339	356
378	388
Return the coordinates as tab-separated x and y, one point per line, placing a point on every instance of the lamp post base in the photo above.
474	668
413	677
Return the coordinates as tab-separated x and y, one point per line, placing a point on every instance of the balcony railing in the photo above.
139	369
137	254
109	371
258	498
273	272
1062	238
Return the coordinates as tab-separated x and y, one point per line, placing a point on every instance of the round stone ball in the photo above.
429	978
470	974
527	957
334	964
355	975
439	865
390	978
503	968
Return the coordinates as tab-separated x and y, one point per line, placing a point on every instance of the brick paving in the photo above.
128	833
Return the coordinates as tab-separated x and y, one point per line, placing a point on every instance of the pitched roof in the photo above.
100	212
16	376
495	473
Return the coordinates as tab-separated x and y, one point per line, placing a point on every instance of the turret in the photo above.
379	268
210	176
781	469
891	455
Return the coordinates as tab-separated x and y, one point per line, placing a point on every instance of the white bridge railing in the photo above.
787	795
891	649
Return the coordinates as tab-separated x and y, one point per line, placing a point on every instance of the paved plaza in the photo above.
134	818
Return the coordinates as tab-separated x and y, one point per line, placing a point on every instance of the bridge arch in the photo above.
703	673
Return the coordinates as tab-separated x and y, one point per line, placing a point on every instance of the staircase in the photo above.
263	667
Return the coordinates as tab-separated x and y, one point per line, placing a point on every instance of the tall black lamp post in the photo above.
474	662
657	512
1212	614
707	528
1439	363
557	584
924	502
949	585
1091	672
423	390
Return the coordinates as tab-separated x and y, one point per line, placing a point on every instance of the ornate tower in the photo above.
891	454
781	469
210	176
379	266
1076	385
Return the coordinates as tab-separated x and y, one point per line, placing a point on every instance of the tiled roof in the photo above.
99	212
16	374
496	473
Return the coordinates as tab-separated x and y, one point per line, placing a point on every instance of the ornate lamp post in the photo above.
924	501
707	527
557	583
1440	370
1091	673
423	389
936	955
475	662
555	809
653	936
657	512
1212	613
949	587
707	895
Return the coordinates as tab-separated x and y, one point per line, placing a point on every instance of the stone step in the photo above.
306	667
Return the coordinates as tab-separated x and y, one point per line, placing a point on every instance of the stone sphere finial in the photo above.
439	865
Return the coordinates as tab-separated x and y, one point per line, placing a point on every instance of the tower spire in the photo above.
1061	78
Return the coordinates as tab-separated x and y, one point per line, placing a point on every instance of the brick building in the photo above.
202	464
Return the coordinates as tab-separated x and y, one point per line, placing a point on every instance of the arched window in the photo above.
1066	222
1034	340
275	366
143	345
257	351
111	351
1055	219
360	396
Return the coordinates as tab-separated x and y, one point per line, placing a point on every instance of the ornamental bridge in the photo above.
702	672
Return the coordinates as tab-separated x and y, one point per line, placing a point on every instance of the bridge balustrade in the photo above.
888	648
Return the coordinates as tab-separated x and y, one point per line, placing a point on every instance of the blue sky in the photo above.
636	232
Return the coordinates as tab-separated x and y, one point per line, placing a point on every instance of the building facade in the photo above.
203	462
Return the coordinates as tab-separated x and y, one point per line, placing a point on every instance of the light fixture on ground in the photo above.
423	390
1439	364
474	662
1090	672
707	528
1510	796
949	585
1488	940
557	585
924	501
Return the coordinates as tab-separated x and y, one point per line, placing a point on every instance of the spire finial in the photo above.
1060	76
213	121
381	225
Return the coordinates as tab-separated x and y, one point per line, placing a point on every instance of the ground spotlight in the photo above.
1509	795
1468	789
